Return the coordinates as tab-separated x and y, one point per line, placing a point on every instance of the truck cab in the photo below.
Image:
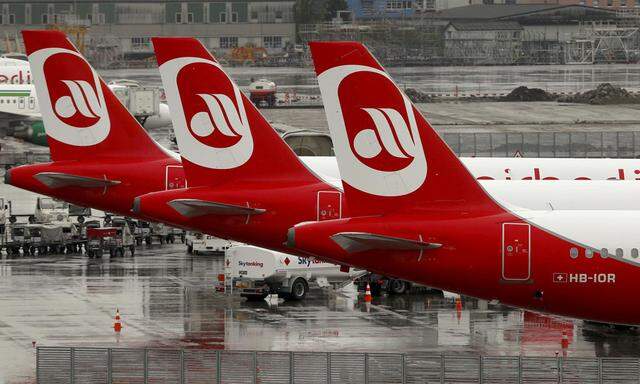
50	210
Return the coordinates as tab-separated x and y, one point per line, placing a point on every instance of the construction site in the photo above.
496	35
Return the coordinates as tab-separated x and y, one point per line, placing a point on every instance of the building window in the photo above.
609	3
140	43
234	17
398	4
279	15
595	3
623	3
253	15
272	41
573	252
228	42
45	18
223	17
190	17
178	18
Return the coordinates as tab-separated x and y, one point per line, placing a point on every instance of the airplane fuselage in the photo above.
530	263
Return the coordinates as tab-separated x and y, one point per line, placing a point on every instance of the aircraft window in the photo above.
1	101
573	252
589	253
619	252
604	253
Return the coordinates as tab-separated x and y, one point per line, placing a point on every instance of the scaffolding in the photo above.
412	41
604	42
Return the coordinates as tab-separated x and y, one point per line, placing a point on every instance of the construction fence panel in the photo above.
65	365
91	365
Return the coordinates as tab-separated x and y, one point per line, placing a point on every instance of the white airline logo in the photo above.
83	98
224	114
366	143
219	105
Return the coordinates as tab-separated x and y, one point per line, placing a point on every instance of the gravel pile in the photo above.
417	96
523	93
605	93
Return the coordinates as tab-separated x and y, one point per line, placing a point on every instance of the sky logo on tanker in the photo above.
71	97
375	131
212	128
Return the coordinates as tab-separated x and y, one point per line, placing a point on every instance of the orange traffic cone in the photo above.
367	294
117	325
565	340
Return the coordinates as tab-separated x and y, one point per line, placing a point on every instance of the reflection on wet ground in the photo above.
482	79
166	299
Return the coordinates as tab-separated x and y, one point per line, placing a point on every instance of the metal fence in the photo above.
546	144
62	365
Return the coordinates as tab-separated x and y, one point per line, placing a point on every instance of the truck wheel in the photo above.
398	287
132	249
299	289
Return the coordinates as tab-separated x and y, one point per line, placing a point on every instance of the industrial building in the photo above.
113	30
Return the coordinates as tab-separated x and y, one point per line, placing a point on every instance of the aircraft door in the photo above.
21	103
516	251
329	205
175	178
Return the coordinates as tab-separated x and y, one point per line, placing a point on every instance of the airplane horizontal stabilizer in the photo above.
362	241
59	180
195	208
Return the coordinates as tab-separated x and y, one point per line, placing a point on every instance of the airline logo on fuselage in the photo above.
71	97
376	133
210	120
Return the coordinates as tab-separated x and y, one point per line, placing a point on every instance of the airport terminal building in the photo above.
108	25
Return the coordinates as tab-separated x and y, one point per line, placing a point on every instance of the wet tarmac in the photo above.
167	299
481	79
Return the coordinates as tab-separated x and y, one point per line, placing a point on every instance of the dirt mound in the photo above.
523	93
417	96
605	93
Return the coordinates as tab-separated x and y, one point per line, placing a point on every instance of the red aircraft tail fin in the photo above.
83	119
221	134
390	158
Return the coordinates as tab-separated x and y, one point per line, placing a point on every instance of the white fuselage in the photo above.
598	192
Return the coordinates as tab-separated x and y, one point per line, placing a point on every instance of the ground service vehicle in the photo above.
115	240
258	272
201	244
